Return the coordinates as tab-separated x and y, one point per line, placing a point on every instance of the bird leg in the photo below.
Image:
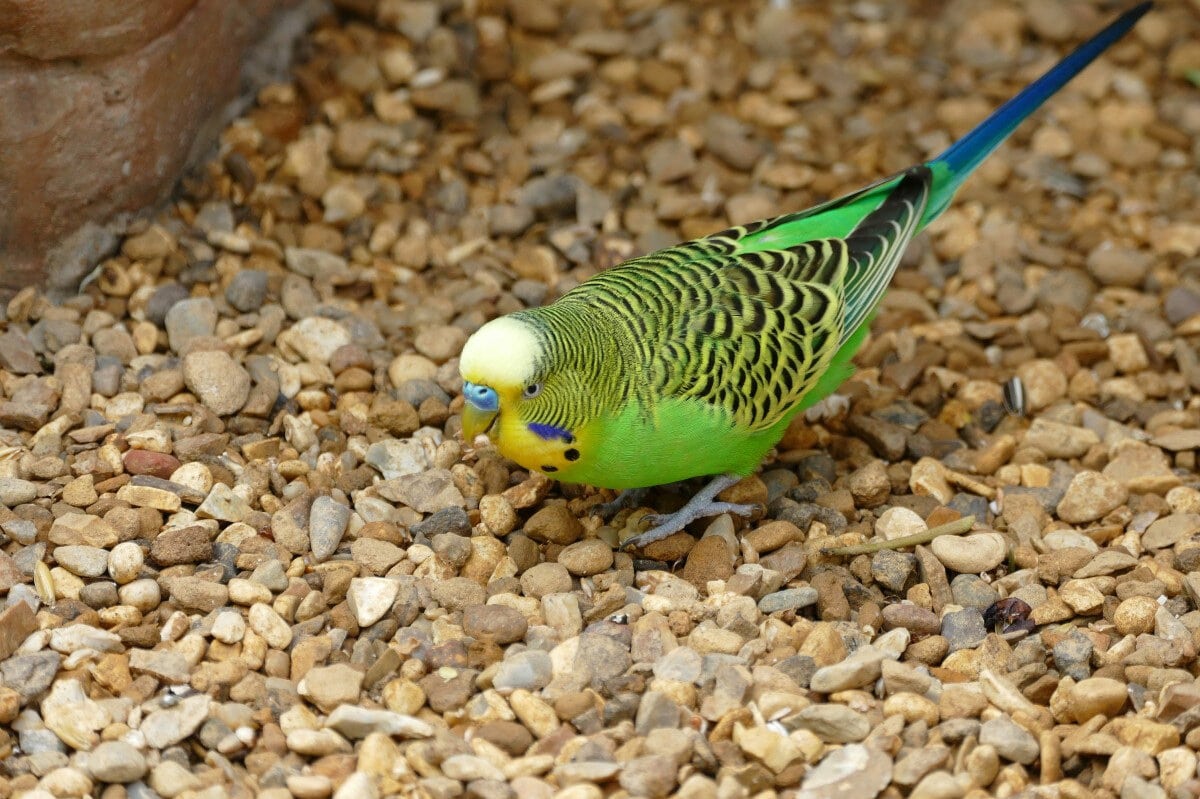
626	499
703	503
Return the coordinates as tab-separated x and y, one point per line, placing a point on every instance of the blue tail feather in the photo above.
968	152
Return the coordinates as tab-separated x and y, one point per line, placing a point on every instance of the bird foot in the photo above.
626	499
702	505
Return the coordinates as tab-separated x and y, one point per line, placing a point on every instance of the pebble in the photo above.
1089	497
327	522
586	558
220	382
544	579
963	629
1011	741
1096	696
498	623
370	598
116	761
14	491
899	522
970	554
1135	615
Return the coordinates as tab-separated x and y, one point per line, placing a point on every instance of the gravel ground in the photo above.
246	554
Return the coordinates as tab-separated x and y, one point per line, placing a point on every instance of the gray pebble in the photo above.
963	629
971	591
247	290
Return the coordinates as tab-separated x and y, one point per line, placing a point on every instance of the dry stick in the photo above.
956	527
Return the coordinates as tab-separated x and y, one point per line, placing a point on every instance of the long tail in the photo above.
953	166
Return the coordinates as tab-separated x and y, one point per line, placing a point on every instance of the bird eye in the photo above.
532	390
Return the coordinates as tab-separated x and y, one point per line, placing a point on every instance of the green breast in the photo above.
683	439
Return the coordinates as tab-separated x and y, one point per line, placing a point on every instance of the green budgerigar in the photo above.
693	360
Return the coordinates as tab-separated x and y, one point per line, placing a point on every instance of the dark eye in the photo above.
532	390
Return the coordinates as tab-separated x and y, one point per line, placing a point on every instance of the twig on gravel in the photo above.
956	527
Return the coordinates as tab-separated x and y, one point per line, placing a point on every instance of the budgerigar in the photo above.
693	360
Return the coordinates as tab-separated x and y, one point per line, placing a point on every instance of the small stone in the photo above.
116	762
229	627
853	770
189	319
652	775
220	382
788	599
530	670
1135	615
972	592
899	522
963	629
270	625
856	671
1097	696
330	686
162	664
1044	383
14	491
1058	440
545	578
315	338
167	727
970	554
81	529
460	593
357	723
82	561
370	598
1089	497
586	558
928	478
893	569
914	618
772	535
327	522
498	623
833	723
709	559
554	524
425	493
247	291
1126	352
1118	266
870	485
1010	740
186	545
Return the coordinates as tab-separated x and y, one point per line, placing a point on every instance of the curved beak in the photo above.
476	421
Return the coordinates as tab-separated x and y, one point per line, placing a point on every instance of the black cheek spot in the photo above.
572	454
549	468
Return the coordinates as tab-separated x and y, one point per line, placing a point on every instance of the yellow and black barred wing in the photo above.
748	333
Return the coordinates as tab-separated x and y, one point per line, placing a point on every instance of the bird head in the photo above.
501	366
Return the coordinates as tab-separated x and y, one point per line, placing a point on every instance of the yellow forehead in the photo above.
504	352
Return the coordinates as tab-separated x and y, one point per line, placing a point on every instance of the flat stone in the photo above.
169	726
116	762
425	493
370	598
1012	741
162	664
357	723
15	491
327	522
17	622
